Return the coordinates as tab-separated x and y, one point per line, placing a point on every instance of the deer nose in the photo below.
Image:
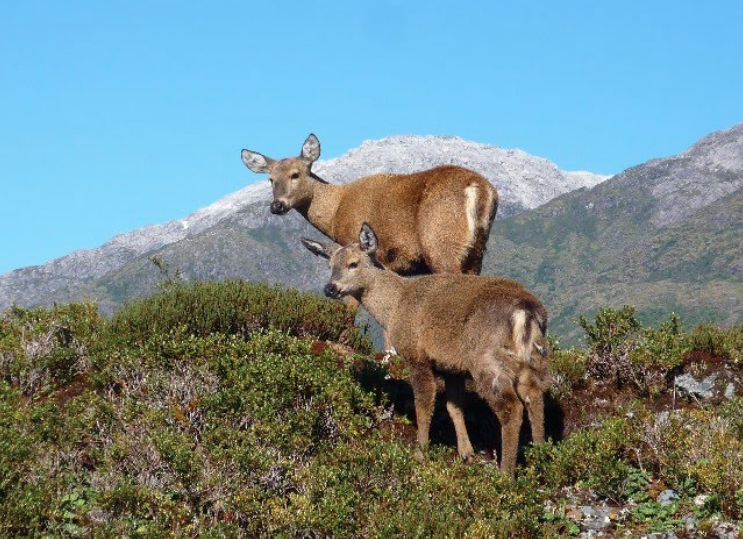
332	291
278	207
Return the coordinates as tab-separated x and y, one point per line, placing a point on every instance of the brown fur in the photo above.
420	218
489	328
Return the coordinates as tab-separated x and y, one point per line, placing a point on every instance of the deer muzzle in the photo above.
332	291
279	208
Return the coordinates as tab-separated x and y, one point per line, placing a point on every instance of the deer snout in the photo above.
332	291
279	208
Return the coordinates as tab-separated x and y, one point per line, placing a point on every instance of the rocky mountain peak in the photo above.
523	180
721	150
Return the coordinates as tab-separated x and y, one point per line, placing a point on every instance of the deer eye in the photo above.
295	175
353	265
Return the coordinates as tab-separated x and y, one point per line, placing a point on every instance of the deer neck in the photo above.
383	295
323	205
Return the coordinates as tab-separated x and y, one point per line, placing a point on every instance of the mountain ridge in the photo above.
524	181
662	236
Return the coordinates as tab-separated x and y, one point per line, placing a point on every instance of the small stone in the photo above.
690	523
730	391
661	535
595	519
666	497
700	499
726	530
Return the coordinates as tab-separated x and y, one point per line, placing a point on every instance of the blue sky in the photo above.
115	115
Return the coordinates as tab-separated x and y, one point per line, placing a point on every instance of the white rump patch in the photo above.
470	195
518	318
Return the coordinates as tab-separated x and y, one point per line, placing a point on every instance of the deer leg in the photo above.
495	383
510	411
424	392
455	406
533	399
388	348
532	384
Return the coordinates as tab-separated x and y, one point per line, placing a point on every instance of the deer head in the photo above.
291	178
349	265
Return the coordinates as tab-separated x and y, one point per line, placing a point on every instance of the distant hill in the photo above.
237	237
663	236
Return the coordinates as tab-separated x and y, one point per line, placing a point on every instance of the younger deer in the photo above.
489	328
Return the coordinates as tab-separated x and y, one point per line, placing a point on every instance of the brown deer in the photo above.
435	221
488	328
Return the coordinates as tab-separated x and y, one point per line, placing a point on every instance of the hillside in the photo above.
242	410
663	236
238	237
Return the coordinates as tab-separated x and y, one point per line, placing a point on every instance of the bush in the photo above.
609	343
568	369
724	343
235	308
622	353
656	353
40	348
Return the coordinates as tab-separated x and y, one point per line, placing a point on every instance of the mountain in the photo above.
663	236
237	237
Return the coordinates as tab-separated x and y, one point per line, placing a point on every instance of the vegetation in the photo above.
238	410
591	248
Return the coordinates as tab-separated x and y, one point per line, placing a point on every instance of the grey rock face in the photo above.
687	385
704	173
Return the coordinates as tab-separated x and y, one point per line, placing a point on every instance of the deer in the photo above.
434	221
456	327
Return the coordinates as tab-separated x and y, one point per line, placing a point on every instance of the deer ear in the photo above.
324	250
256	162
368	239
310	149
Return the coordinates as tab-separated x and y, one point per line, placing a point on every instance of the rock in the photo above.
690	523
700	499
594	518
730	391
726	530
666	497
688	386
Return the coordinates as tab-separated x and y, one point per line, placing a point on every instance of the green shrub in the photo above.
235	308
609	343
568	369
691	451
594	457
656	353
611	328
621	352
288	396
40	348
724	343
